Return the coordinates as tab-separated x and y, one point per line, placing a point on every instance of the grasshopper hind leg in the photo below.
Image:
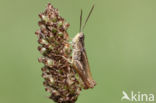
79	69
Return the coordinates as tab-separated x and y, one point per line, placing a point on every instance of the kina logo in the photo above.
137	97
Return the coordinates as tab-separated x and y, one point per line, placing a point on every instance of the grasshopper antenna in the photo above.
80	20
88	17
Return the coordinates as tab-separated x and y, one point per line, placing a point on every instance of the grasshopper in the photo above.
79	56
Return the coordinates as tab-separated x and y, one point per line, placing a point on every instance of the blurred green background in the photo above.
120	42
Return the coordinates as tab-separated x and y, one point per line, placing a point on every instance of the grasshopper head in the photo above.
78	39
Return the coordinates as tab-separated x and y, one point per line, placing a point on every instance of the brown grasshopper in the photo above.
79	56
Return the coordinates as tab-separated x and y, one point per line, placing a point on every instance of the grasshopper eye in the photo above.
81	36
